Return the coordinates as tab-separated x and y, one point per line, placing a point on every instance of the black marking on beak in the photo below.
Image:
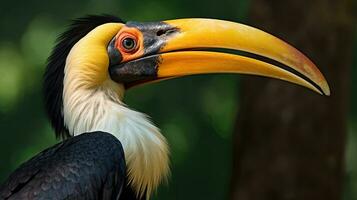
155	34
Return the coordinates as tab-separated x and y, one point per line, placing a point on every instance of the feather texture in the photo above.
89	166
54	74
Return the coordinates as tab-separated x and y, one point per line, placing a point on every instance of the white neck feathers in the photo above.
99	108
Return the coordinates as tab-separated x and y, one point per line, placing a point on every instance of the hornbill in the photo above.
111	151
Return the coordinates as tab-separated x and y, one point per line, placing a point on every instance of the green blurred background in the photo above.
198	121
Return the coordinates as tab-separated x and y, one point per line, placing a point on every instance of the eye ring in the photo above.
129	44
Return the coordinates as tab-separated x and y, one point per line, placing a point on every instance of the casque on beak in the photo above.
183	47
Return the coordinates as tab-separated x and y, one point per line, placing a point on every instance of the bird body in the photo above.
88	166
111	151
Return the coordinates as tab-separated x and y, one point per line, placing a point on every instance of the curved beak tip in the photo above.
326	88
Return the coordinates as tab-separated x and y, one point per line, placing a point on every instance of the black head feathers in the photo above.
54	74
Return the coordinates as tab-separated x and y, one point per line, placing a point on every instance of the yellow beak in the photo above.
181	55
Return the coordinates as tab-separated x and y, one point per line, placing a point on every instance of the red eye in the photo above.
128	43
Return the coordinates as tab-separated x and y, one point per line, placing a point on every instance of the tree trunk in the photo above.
289	142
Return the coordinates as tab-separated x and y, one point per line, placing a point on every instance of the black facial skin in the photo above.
155	36
137	70
115	56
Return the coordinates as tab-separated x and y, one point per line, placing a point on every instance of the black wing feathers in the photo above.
88	166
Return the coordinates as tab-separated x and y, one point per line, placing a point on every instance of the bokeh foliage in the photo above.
196	114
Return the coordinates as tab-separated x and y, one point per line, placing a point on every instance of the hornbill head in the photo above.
99	57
